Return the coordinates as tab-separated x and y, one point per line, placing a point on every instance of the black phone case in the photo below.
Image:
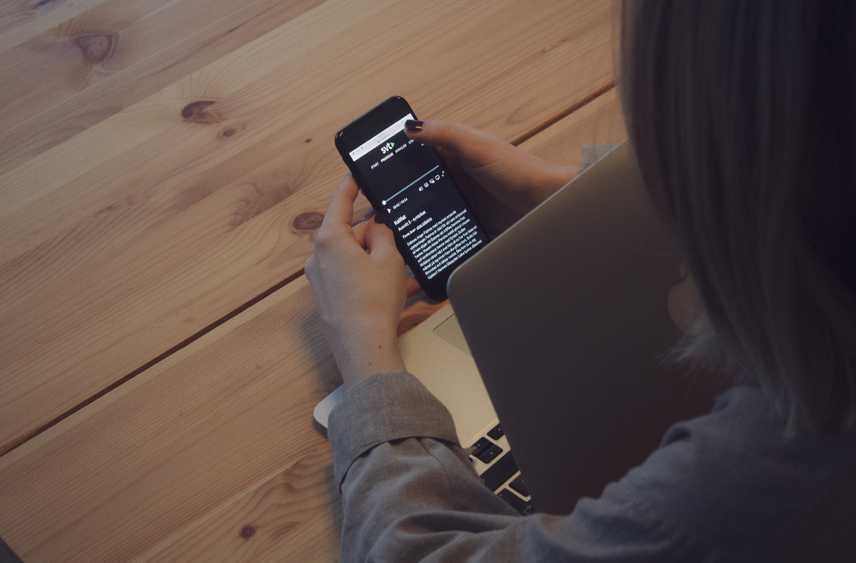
436	291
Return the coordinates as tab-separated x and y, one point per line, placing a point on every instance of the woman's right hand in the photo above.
502	181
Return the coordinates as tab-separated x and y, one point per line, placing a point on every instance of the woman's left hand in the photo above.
360	286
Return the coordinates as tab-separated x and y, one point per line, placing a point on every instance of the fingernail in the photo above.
414	125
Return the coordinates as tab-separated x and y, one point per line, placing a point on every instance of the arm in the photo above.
409	494
408	491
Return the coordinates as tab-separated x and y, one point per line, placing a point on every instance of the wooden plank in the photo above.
22	19
95	65
144	229
293	516
210	455
188	440
596	123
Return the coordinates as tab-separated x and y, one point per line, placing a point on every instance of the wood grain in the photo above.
95	65
146	228
597	123
210	455
22	19
293	516
194	430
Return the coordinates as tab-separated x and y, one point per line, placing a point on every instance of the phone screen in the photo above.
414	193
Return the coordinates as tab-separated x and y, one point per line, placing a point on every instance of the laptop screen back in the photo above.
566	317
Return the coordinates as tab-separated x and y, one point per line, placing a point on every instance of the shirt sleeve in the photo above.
410	494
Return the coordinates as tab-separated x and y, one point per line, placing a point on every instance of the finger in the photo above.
439	133
412	286
359	232
380	241
450	158
364	216
341	206
468	144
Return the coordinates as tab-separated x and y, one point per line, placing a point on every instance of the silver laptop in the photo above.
554	344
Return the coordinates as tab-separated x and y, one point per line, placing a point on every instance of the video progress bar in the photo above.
405	188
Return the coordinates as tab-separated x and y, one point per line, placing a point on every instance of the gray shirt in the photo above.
728	486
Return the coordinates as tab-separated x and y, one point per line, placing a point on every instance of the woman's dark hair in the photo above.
741	114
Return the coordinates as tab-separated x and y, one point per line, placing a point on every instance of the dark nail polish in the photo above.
414	125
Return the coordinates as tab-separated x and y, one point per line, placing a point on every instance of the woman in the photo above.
742	118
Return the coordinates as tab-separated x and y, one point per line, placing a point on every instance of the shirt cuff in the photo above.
381	408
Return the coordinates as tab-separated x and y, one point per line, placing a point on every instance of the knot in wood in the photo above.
97	47
247	532
200	112
308	221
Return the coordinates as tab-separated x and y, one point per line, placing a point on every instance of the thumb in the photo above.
380	242
470	146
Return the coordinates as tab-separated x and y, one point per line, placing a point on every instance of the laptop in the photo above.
554	342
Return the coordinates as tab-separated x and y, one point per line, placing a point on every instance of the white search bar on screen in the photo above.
379	139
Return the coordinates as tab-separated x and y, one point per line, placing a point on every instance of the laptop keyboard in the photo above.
491	457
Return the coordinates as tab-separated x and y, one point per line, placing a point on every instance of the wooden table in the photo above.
162	167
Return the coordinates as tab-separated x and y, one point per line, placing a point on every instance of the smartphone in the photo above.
412	193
